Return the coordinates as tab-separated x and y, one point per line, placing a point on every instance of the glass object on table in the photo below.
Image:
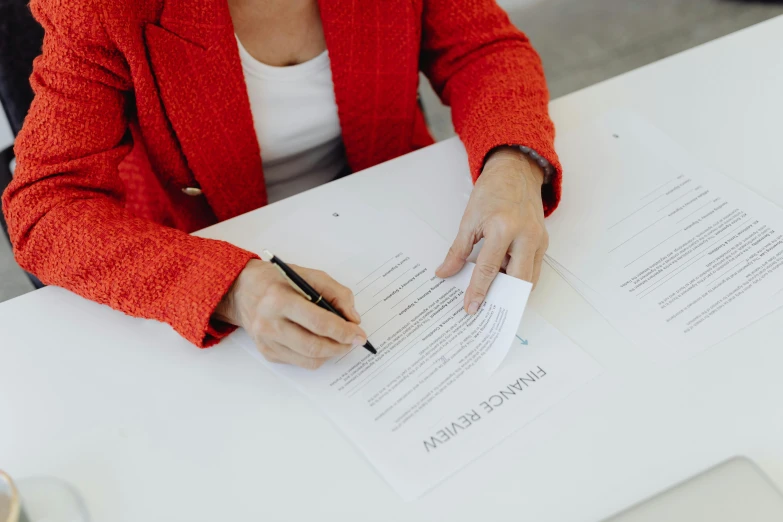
9	500
39	499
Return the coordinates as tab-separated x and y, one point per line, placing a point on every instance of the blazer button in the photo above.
192	191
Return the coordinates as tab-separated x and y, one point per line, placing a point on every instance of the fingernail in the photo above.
355	312
440	267
473	308
359	341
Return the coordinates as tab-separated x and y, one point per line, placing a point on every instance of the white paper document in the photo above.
542	369
432	356
676	256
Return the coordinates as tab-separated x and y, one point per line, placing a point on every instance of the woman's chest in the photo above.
279	32
191	98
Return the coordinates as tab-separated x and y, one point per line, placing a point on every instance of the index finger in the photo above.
487	267
336	294
323	323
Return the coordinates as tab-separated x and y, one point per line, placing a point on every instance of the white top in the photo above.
295	117
148	427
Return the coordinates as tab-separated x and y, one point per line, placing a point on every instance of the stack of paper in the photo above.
676	256
442	388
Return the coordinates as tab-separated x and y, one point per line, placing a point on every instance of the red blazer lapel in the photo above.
374	49
196	64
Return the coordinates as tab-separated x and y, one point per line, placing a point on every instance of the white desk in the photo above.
6	137
149	428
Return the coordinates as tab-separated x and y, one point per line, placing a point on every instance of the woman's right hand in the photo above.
286	327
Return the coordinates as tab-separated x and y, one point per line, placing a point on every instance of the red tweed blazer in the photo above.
138	99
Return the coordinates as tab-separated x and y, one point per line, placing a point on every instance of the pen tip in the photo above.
371	348
266	255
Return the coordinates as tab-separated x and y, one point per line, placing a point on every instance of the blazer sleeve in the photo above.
493	79
65	205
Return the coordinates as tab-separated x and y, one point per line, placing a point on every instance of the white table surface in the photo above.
6	136
149	428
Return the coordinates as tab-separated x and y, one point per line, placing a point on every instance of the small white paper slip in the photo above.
676	256
430	352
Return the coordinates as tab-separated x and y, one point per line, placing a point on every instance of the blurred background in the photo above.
581	42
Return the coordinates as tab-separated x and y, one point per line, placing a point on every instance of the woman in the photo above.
154	118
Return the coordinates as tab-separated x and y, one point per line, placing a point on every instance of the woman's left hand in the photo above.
505	209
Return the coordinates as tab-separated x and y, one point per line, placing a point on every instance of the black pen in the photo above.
306	290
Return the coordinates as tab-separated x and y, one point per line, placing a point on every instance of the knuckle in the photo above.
487	271
313	364
267	352
346	335
345	294
457	251
329	326
477	293
321	324
313	348
262	328
503	225
342	335
271	357
534	231
336	329
544	238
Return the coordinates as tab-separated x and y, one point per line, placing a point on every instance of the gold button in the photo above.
192	191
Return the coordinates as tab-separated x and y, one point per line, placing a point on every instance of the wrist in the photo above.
503	159
227	310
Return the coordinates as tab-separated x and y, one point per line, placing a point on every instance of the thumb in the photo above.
457	254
